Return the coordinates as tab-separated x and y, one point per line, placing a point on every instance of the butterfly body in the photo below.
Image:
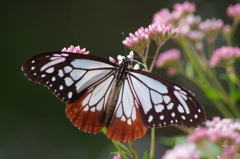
100	93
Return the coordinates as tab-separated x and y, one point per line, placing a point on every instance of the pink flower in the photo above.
162	17
161	33
192	20
76	49
200	134
234	11
117	156
168	58
137	41
211	27
182	152
185	8
226	54
195	36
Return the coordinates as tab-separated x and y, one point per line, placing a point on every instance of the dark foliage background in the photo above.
32	121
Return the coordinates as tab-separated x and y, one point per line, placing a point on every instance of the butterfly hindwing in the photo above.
67	75
89	111
126	123
164	103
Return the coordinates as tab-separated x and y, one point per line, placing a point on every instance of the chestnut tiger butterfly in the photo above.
100	93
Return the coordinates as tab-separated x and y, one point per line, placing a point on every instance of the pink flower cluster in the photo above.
76	49
211	26
137	41
182	152
168	58
225	133
226	54
234	11
141	38
165	17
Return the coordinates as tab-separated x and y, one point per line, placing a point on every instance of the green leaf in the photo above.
145	155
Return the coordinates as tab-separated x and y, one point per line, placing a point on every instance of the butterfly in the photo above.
101	93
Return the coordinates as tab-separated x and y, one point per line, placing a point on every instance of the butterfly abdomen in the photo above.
111	104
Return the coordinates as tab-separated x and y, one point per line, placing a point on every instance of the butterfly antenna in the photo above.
124	37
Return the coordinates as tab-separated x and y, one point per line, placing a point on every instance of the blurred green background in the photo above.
33	123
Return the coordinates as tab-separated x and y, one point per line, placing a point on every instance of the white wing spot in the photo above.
70	95
68	81
52	63
47	82
60	87
32	68
171	121
191	120
43	75
161	117
129	122
67	69
164	123
50	70
86	108
64	55
60	73
159	108
173	114
177	88
123	118
35	74
166	99
180	109
59	55
53	79
195	116
50	85
54	58
199	110
183	117
33	61
170	106
183	92
182	102
150	118
176	120
92	109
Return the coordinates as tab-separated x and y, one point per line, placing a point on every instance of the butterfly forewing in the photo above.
164	103
67	75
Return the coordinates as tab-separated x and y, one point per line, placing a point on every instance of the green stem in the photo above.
133	152
154	58
116	144
234	27
152	148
